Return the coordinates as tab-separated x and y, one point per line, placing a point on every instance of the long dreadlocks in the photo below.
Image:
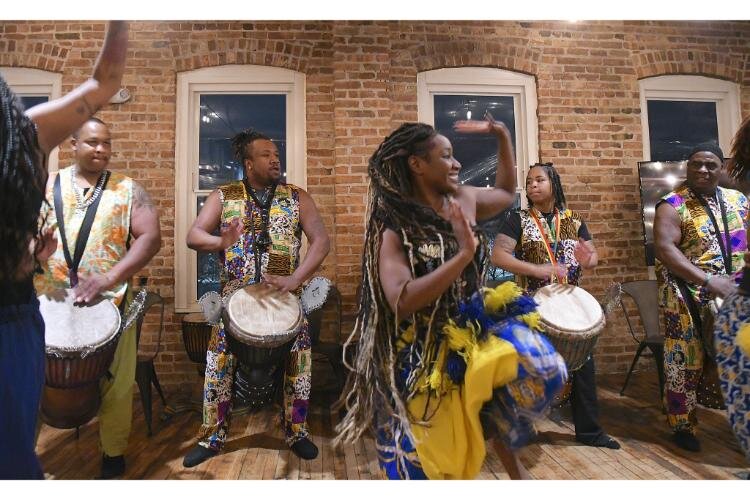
23	175
371	385
554	179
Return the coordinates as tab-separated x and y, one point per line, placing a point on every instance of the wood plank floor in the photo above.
256	450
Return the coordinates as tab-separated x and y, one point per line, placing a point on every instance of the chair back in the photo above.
152	299
645	295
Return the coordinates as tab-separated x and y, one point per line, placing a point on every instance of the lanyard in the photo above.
551	251
724	240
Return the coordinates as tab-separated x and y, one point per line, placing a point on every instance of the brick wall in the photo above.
361	83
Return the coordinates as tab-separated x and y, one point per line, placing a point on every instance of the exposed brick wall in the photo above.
361	83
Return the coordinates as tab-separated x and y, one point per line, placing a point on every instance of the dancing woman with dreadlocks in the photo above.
26	138
548	242
440	361
732	326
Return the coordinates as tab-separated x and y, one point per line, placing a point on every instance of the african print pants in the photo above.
221	365
688	373
734	366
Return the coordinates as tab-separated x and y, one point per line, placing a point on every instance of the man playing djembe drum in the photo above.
552	242
123	237
699	240
261	221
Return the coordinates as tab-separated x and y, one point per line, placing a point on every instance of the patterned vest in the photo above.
532	248
699	239
108	241
281	257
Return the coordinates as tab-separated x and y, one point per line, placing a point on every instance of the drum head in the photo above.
260	316
77	328
568	307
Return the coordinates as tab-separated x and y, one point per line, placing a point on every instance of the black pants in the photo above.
584	405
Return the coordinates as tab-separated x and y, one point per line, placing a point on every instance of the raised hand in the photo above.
486	126
231	233
46	245
467	240
582	253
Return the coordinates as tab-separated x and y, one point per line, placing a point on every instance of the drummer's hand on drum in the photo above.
281	283
231	233
467	240
90	287
546	271
721	286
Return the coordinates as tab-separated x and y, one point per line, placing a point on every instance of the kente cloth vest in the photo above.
282	222
699	241
531	246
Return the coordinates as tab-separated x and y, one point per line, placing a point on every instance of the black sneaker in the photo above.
197	456
305	449
112	467
601	441
687	441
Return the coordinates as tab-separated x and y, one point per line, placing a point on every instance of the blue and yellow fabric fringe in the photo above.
491	360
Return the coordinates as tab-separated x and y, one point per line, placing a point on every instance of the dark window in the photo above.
208	264
224	115
477	153
675	127
29	101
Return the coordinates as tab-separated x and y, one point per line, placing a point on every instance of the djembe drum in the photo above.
80	343
262	325
572	319
196	332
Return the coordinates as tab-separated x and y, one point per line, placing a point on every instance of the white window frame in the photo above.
36	82
489	82
696	88
230	79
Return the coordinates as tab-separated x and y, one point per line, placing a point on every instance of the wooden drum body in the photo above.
80	343
262	325
196	333
573	320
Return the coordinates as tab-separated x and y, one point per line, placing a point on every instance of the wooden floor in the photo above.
256	449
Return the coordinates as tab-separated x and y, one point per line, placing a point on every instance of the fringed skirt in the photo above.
507	410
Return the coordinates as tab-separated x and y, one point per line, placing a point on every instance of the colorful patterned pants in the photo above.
217	390
684	358
734	366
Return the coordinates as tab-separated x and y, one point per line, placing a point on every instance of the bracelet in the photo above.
708	278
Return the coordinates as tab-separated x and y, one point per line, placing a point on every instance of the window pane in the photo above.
29	101
675	127
208	264
657	179
477	153
224	115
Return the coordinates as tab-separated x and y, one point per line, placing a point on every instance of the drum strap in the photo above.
83	234
724	240
551	251
260	240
